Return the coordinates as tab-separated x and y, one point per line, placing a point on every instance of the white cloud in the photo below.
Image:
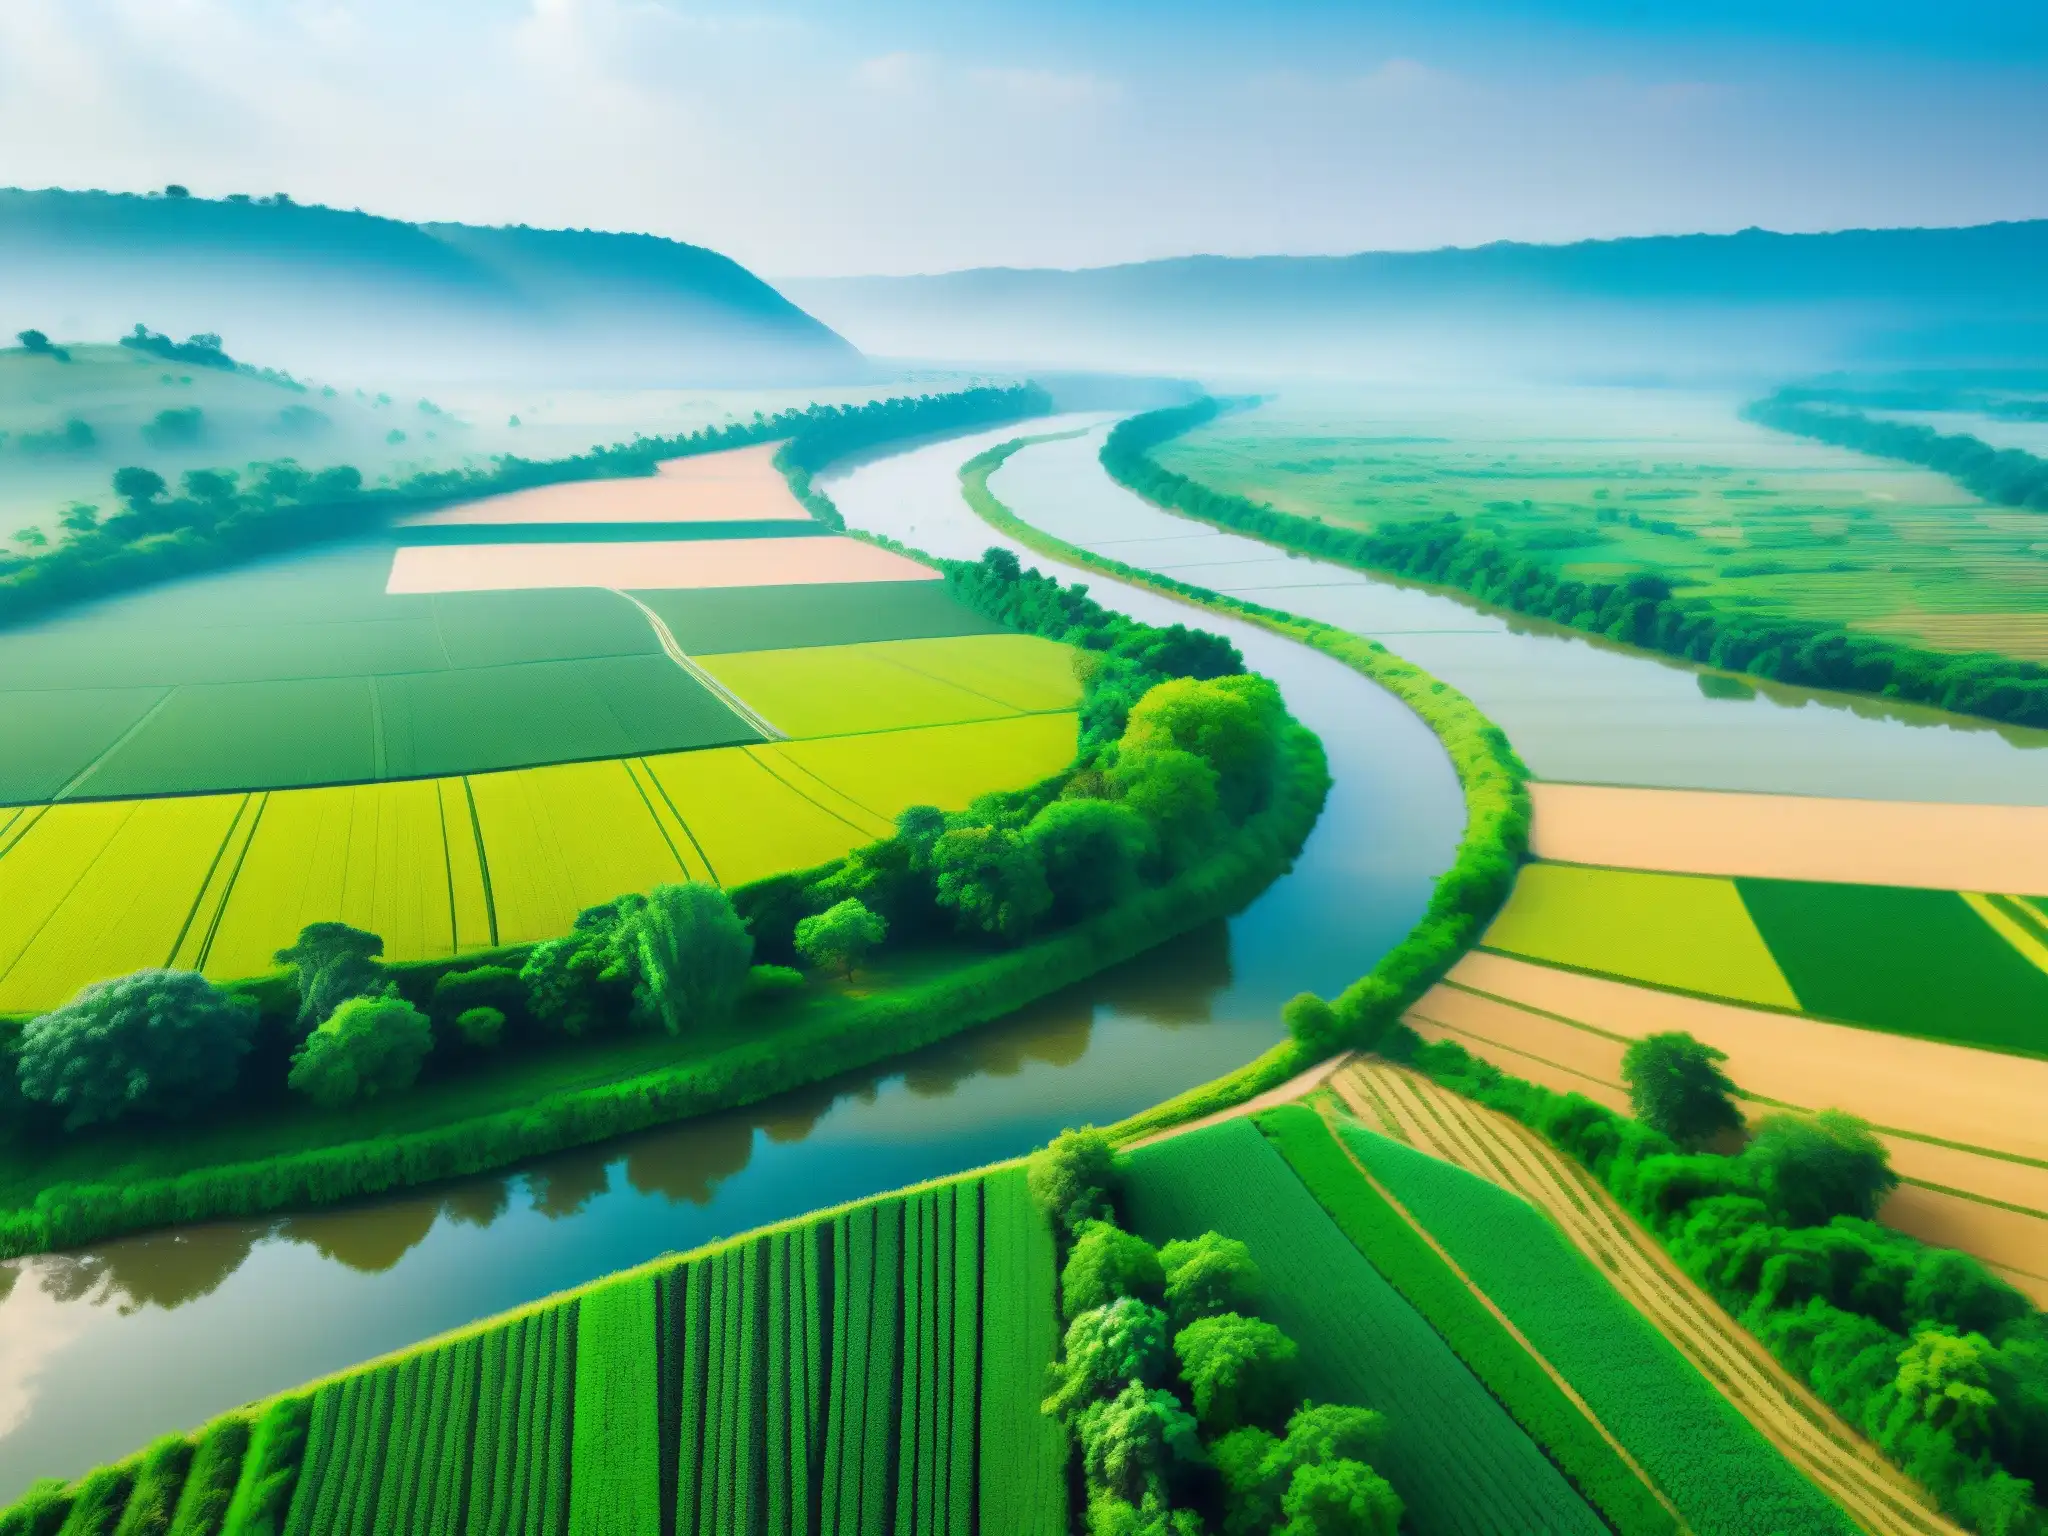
1045	88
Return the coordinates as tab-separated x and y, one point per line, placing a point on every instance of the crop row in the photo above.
842	1377
1429	1284
1720	1472
1460	1462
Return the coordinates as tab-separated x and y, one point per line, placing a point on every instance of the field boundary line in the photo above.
1903	1134
50	912
1486	1301
954	682
683	659
681	820
654	816
448	870
802	795
1964	1194
1727	1354
1301	1084
26	817
1511	1050
206	881
1738	1002
115	745
262	798
483	859
2008	928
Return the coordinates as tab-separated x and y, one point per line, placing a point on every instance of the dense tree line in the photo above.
2009	476
1640	610
1185	1406
1939	1362
219	517
201	351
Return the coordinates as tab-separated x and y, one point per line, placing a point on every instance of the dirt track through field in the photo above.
1409	1107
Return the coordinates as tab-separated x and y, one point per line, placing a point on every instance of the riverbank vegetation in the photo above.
871	1368
1465	897
1192	790
1760	579
217	518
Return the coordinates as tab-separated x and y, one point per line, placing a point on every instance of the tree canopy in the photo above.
161	1041
368	1047
692	952
839	938
1675	1083
1812	1168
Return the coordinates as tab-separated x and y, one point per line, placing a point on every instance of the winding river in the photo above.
104	1348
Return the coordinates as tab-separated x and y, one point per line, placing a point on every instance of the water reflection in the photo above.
103	1349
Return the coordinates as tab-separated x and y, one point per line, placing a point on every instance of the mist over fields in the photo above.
354	295
1739	309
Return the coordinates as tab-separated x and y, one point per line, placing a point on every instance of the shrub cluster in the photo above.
1639	610
1183	1403
1943	1365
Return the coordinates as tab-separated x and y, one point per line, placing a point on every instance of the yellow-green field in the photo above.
441	866
1690	932
841	690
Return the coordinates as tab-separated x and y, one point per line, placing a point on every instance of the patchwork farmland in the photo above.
869	1369
1920	1005
456	759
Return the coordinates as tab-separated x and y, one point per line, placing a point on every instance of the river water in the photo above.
104	1348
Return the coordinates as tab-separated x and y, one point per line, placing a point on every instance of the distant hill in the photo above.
323	290
1745	305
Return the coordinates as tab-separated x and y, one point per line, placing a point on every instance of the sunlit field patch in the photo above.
653	564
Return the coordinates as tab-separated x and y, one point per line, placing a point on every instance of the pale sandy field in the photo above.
655	565
742	485
1795	837
2015	1245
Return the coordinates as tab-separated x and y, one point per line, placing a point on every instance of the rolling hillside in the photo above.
356	295
1754	304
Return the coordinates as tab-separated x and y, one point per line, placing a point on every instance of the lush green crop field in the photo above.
1595	481
710	621
1691	932
839	1376
849	689
1915	962
1456	1457
1722	1474
92	889
1430	1285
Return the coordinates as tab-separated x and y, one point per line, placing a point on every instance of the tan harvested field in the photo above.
656	565
2014	634
1949	1092
742	485
2014	1244
1407	1106
1795	837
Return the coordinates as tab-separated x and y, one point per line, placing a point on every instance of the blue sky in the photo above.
909	135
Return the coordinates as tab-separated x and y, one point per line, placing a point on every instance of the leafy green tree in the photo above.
1231	724
693	952
481	986
1944	1380
32	538
1107	1262
80	517
1104	1349
1256	1467
1676	1085
137	486
1073	1177
1811	1169
1240	1370
480	1027
214	487
1334	1431
1313	1023
1175	792
334	963
1137	1444
1093	851
839	938
584	981
992	879
33	341
158	1041
1207	1276
1340	1498
368	1047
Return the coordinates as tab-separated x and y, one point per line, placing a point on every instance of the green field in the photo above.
1456	1458
1434	1289
1595	482
1689	932
305	672
864	1371
1722	1474
1911	961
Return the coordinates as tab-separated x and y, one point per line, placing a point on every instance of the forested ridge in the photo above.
1640	610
